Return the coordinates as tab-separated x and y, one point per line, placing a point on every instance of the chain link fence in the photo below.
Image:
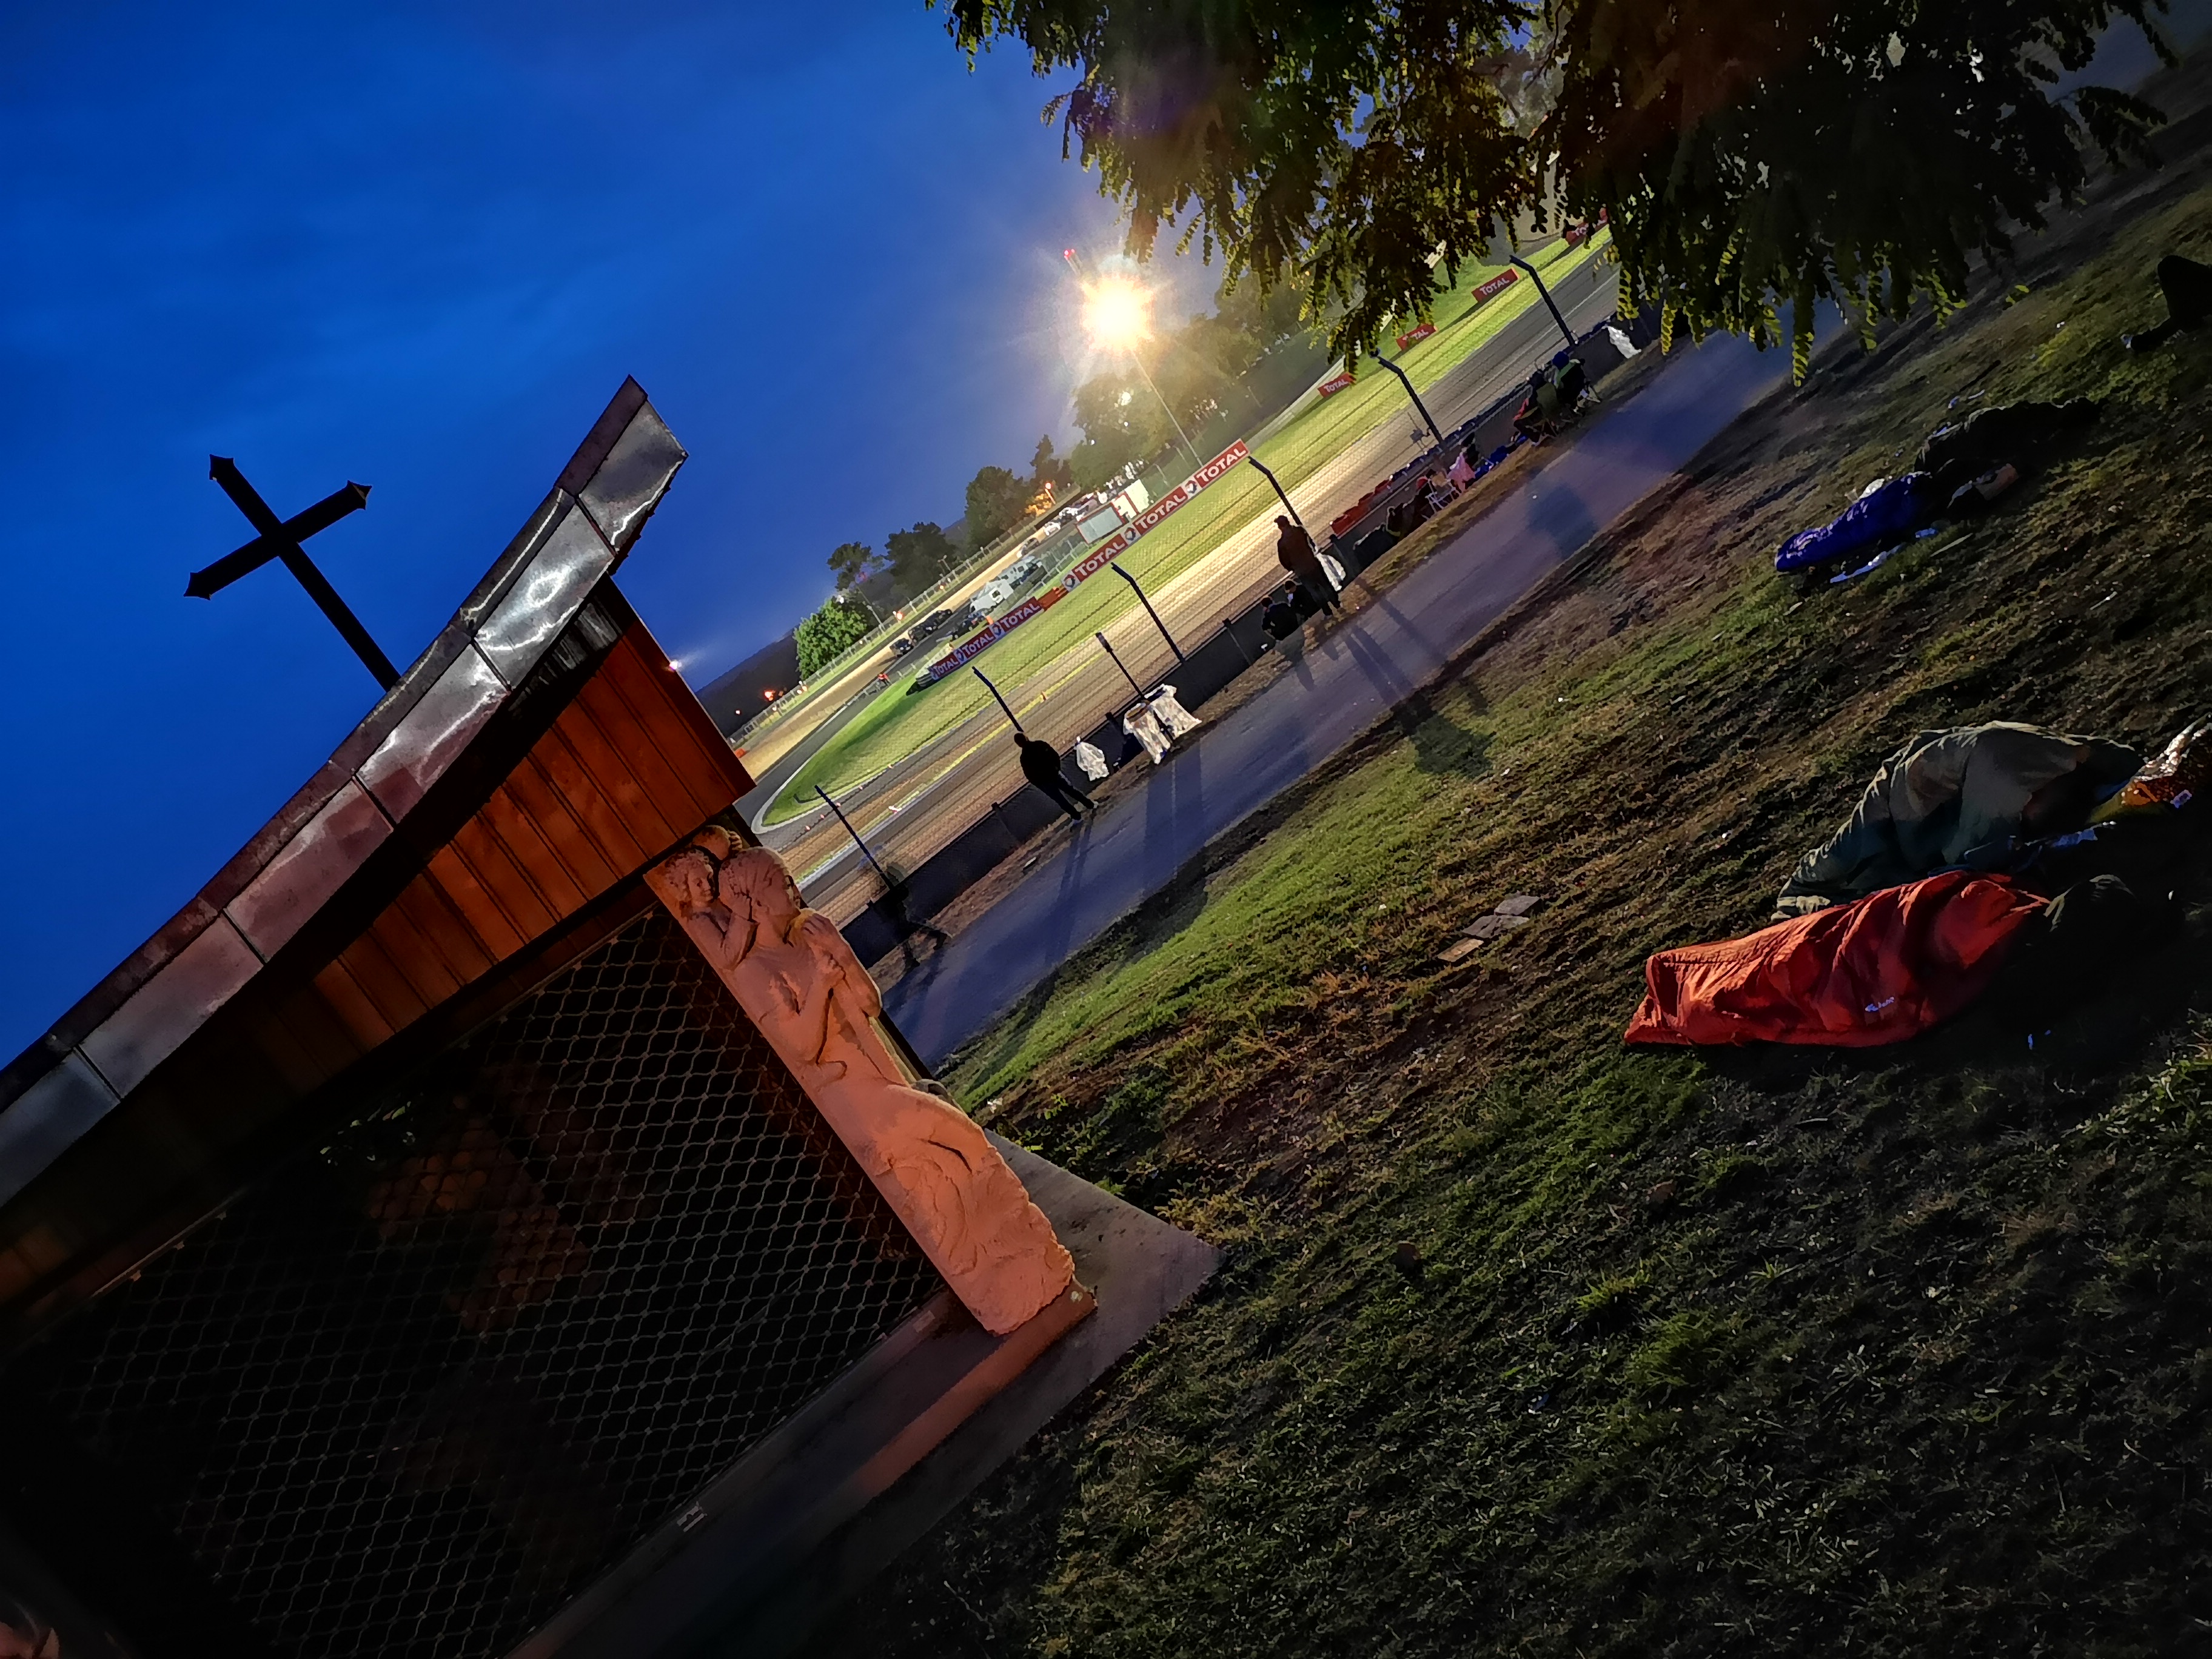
410	1396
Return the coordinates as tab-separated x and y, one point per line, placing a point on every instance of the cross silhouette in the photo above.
281	539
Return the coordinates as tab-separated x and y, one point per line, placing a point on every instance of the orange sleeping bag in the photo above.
1878	969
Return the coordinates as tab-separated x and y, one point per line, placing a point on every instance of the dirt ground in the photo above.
1531	1344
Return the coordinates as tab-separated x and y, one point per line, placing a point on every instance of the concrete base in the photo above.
814	1511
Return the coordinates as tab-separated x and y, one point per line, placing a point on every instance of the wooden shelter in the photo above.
416	1249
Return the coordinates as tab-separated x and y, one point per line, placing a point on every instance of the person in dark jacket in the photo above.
1040	766
1294	551
897	890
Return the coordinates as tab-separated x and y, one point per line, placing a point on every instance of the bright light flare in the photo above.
1116	312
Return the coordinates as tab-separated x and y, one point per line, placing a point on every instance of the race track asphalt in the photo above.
1354	675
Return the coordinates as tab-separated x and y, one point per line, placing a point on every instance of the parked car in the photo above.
931	623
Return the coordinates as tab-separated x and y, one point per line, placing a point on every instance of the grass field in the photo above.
1528	1343
895	725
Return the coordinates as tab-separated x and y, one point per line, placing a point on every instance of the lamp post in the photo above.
1261	467
1188	448
1124	667
1546	293
853	833
993	690
1428	419
1149	611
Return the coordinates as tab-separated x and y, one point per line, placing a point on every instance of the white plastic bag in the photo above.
1333	570
1141	724
1090	761
1171	713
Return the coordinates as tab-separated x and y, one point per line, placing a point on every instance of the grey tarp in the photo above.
1953	799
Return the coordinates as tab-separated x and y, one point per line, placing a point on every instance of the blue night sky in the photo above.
420	245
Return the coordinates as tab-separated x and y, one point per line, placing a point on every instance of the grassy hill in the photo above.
1531	1345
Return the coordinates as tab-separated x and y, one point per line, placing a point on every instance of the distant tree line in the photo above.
825	635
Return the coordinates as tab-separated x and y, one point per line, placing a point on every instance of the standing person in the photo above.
1294	550
1040	766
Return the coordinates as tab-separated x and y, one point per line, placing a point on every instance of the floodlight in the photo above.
1117	313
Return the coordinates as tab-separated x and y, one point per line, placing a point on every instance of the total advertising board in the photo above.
969	649
1496	286
1093	563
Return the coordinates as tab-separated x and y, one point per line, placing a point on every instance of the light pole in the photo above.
1149	611
1188	448
1117	315
1427	418
1546	293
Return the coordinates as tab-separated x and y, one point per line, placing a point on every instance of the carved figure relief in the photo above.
792	972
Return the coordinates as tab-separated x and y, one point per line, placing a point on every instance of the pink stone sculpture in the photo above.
792	972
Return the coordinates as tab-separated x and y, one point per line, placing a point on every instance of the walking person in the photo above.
1040	766
1294	550
896	894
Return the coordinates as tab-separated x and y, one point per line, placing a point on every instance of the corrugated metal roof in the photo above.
625	764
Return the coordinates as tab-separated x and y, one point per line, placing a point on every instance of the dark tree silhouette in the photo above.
1748	153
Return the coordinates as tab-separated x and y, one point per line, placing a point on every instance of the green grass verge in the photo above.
895	725
1528	1343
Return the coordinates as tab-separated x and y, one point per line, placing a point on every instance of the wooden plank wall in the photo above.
629	767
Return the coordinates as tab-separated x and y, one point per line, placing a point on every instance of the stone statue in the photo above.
791	970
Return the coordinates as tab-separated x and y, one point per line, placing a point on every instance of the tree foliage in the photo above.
917	556
1122	421
997	502
830	632
1748	153
851	562
1047	468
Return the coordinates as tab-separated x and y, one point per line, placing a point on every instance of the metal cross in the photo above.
281	539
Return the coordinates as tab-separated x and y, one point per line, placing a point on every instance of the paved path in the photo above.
1355	674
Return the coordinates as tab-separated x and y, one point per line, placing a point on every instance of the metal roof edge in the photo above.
575	537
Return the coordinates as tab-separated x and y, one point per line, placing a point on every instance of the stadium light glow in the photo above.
1117	313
